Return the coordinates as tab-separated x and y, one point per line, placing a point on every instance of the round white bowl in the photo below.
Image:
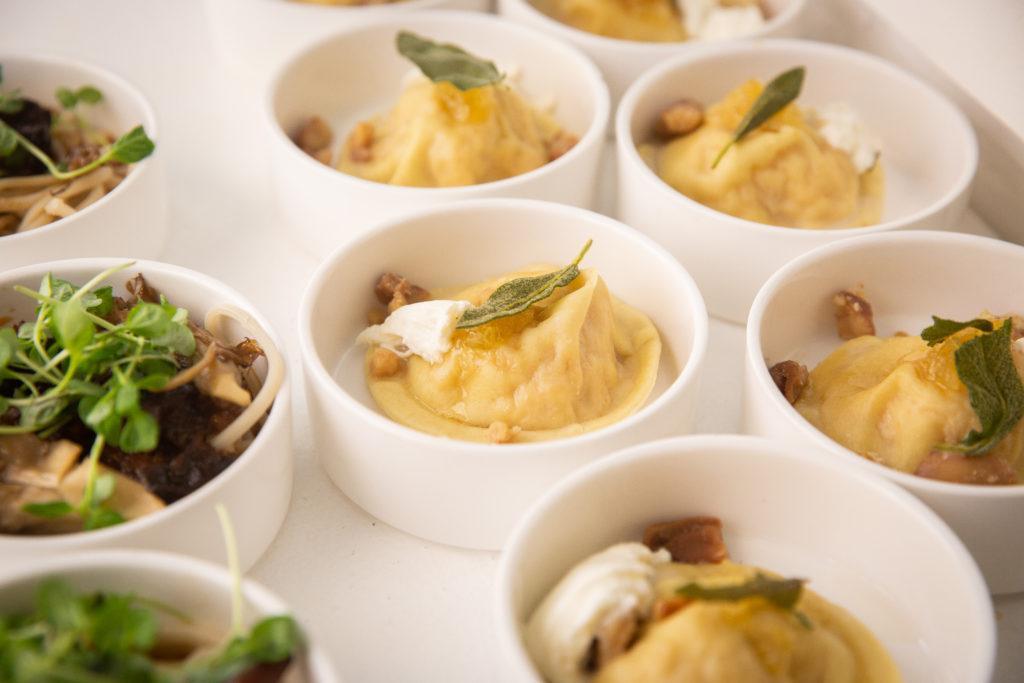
461	493
908	277
623	61
863	543
928	149
130	220
201	590
325	207
256	36
256	488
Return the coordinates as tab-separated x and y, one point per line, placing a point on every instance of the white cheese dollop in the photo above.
605	586
842	128
707	20
423	329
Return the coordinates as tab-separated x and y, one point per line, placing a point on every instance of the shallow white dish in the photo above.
129	220
462	493
200	590
256	488
256	36
929	152
862	542
907	277
623	61
325	207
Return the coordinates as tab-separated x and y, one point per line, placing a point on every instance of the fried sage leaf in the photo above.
782	90
784	593
446	62
985	365
515	296
941	329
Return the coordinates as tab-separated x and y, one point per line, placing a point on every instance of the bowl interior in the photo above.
327	82
863	545
927	147
459	247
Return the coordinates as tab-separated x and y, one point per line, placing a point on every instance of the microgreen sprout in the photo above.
133	146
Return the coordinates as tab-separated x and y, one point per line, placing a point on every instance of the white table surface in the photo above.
388	606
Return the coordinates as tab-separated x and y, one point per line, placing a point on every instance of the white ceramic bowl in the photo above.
256	488
863	543
254	37
928	149
908	277
623	61
325	206
200	590
130	220
462	493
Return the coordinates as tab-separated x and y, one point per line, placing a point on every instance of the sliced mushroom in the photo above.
26	459
221	379
694	540
130	498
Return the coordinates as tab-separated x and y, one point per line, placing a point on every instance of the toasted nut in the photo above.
375	316
666	607
965	469
694	540
853	315
791	379
360	142
390	287
323	156
314	136
679	118
384	363
500	432
560	144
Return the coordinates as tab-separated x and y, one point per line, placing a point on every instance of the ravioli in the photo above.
644	20
748	640
574	362
440	136
894	399
783	173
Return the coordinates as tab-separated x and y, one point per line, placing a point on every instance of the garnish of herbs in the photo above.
445	62
783	593
515	296
779	92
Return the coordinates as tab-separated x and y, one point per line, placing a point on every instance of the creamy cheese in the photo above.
840	125
603	587
423	329
707	20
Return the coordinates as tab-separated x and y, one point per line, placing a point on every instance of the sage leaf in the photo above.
985	365
783	593
779	92
941	329
515	296
445	62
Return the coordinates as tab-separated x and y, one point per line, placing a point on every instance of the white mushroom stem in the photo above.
275	373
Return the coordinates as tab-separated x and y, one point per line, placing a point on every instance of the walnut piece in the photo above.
694	540
560	144
854	317
965	469
791	379
394	291
359	145
315	139
679	118
384	363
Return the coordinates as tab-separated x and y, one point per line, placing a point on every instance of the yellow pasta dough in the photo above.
646	20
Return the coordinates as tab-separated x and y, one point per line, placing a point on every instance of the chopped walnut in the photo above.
314	136
694	540
359	145
394	291
324	156
679	118
853	315
613	637
966	469
666	607
500	432
560	144
791	379
375	316
384	363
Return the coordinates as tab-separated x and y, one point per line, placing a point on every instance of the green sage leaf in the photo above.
445	62
783	593
985	365
515	296
779	92
941	329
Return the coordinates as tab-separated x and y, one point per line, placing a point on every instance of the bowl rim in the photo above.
315	369
276	419
311	8
130	90
510	625
264	601
769	392
593	136
627	152
789	13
